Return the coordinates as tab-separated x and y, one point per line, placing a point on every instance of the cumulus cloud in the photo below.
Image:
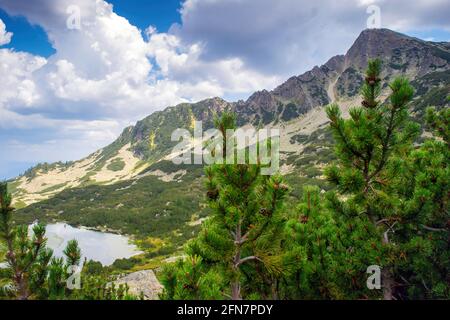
291	36
5	37
106	64
16	83
401	15
106	69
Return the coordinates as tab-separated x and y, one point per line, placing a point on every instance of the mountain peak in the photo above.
399	50
376	43
381	32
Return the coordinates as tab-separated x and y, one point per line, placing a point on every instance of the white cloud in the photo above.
107	64
291	36
183	64
16	77
5	37
103	71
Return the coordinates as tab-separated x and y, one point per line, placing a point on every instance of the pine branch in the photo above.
433	229
249	258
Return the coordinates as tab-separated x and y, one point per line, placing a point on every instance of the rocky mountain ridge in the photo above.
296	106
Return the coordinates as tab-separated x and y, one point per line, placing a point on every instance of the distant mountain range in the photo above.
132	186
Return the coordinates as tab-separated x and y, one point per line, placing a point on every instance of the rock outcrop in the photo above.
144	281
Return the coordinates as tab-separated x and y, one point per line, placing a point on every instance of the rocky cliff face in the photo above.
400	53
342	75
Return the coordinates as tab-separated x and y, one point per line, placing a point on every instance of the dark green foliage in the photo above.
100	287
72	253
191	279
396	196
125	264
290	112
116	165
440	123
424	237
237	245
169	167
91	268
44	168
349	82
27	257
148	207
315	253
32	271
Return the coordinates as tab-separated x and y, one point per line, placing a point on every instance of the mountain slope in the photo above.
296	107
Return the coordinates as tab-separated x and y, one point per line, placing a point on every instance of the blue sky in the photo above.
27	37
66	92
33	39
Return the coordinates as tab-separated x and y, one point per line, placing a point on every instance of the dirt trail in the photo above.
331	90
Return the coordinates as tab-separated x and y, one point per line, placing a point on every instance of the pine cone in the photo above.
372	80
213	194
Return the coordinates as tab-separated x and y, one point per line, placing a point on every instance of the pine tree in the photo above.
365	146
240	241
32	269
61	269
24	256
424	239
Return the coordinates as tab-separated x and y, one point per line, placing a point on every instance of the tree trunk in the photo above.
235	284
236	290
22	288
275	290
388	283
387	280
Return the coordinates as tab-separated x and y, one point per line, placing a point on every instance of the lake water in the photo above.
99	246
